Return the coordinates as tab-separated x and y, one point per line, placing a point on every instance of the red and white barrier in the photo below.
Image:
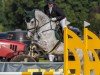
15	73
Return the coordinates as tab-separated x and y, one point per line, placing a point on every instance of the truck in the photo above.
14	51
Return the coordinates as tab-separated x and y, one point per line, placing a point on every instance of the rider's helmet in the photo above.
50	1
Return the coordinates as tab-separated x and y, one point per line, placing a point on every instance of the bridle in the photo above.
35	20
36	28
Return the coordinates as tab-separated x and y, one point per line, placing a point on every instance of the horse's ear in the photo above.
25	11
33	11
25	14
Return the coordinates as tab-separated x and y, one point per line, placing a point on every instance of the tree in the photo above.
95	20
76	11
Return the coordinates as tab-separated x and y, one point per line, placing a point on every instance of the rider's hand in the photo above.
54	19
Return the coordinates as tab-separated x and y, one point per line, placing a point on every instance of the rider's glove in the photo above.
54	19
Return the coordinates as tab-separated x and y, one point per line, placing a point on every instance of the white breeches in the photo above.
63	23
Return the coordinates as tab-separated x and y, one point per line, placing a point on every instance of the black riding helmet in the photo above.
50	1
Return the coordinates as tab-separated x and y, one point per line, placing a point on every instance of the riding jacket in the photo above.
56	12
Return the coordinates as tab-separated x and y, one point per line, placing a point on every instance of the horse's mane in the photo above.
41	12
42	16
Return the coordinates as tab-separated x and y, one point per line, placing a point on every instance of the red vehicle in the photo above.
13	51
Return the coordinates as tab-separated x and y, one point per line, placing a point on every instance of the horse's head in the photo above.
41	28
34	19
30	21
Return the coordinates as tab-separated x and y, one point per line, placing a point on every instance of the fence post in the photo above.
65	51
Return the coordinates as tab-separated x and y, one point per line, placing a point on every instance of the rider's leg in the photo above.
63	23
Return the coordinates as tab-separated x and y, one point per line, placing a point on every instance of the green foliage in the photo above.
12	12
1	28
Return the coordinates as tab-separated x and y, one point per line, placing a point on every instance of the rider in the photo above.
54	12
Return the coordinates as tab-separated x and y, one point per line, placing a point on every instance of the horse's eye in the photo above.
32	21
27	19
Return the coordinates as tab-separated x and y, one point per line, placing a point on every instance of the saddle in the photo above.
59	32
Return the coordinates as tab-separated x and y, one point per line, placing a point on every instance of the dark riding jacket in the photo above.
56	12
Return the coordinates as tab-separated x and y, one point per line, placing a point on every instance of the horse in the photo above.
43	31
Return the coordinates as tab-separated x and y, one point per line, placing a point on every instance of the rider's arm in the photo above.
45	10
60	13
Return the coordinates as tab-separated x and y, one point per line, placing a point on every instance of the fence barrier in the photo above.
31	73
89	46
